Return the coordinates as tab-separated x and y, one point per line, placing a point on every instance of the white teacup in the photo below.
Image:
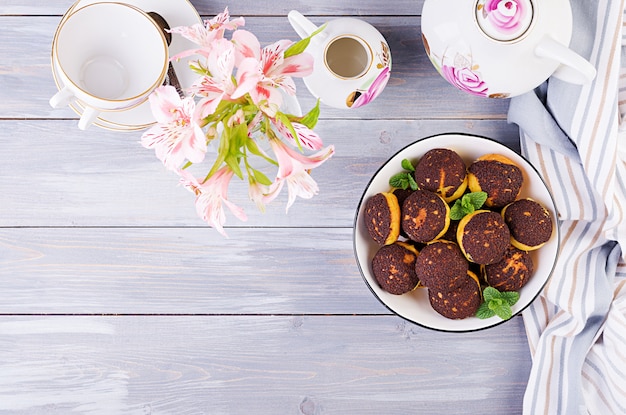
352	61
110	57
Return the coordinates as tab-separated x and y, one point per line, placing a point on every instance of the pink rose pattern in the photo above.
465	79
505	16
363	96
374	90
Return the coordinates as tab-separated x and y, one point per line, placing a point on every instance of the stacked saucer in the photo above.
176	13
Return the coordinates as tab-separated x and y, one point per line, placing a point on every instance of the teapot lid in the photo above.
504	20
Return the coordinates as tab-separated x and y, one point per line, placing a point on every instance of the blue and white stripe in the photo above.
577	327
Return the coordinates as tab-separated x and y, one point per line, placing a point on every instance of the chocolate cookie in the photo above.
529	222
483	236
498	176
460	303
393	267
511	273
442	171
425	216
382	218
441	265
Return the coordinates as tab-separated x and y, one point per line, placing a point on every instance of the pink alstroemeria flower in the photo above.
211	196
293	168
220	62
176	136
263	71
203	35
257	192
307	137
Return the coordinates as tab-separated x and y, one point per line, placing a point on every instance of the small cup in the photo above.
352	60
347	57
110	57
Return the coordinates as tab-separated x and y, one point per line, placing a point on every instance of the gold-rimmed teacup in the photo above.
110	57
352	60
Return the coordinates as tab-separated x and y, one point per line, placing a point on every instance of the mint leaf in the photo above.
469	203
490	293
399	180
456	211
510	297
484	311
504	311
477	199
407	165
497	303
405	179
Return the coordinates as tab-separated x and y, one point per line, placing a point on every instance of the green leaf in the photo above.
504	312
490	293
261	178
252	146
222	152
407	165
233	163
497	303
310	118
285	120
187	165
510	297
477	199
239	136
484	311
469	203
299	46
399	181
412	182
216	165
456	211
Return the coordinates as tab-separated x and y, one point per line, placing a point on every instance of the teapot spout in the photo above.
303	26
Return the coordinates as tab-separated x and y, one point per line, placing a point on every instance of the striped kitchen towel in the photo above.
576	137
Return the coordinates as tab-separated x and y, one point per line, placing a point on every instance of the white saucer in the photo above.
176	13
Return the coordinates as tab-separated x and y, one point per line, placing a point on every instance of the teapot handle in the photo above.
574	68
303	26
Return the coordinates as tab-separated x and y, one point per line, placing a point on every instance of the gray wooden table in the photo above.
115	299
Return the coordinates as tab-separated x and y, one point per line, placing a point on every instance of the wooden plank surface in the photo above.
210	8
181	271
255	365
116	299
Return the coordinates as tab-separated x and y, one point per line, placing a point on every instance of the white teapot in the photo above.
502	48
352	61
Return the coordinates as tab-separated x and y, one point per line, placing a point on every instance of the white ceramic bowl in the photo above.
415	306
